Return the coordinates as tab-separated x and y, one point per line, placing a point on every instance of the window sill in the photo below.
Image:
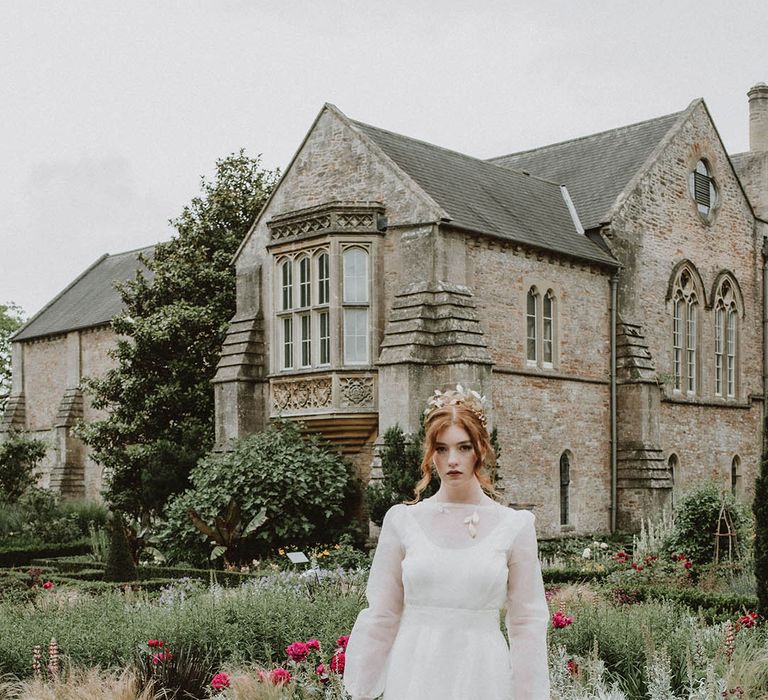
701	401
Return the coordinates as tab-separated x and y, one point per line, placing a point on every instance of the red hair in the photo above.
438	420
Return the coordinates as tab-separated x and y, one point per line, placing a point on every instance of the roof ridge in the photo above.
134	250
484	161
588	136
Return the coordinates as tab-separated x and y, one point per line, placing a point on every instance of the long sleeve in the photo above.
527	617
376	626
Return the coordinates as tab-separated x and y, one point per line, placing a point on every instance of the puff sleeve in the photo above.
527	616
376	627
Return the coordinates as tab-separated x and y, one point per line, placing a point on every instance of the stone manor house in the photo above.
607	294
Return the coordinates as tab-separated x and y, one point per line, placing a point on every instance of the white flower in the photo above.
603	545
587	553
595	544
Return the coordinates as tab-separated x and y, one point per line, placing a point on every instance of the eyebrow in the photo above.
443	444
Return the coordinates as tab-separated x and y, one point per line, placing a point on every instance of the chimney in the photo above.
758	117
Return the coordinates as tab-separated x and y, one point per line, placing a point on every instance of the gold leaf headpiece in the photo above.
459	396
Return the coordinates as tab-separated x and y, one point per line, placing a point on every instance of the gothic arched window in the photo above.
532	326
735	475
565	489
685	333
726	338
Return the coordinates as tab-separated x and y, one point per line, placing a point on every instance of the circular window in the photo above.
702	188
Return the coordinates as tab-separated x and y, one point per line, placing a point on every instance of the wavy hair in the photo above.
438	420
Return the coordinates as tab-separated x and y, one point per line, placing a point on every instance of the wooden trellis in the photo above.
725	530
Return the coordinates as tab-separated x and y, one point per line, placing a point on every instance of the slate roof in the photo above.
487	198
594	168
91	300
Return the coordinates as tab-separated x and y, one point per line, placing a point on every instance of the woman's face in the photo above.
454	457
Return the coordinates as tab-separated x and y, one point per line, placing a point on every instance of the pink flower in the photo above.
48	585
342	641
263	677
161	656
297	651
220	681
636	566
279	676
572	666
560	620
155	643
313	644
338	661
621	556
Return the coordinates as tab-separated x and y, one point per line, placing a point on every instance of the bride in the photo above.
444	568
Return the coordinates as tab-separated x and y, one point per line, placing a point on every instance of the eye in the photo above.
466	448
440	449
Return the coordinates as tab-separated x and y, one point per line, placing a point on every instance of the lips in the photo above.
454	472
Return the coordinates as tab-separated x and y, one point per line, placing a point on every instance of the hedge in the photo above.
15	555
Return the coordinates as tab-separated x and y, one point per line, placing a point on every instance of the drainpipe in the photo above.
614	446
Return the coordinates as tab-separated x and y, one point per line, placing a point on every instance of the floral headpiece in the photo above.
459	396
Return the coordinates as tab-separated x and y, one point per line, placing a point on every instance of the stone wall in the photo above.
534	408
657	227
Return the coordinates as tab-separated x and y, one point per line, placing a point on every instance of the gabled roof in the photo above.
91	300
483	197
596	169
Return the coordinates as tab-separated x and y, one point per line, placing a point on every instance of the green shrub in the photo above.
696	521
19	457
401	457
120	565
23	553
306	488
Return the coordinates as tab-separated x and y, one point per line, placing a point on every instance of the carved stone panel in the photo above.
302	394
356	392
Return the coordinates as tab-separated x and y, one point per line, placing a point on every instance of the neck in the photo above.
467	493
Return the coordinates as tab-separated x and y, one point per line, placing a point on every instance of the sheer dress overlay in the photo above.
440	576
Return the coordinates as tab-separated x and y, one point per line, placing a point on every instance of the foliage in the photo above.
159	396
401	457
760	510
11	319
174	674
19	457
229	531
696	521
305	487
120	565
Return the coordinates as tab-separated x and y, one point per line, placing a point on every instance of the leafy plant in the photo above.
11	319
305	487
229	530
401	457
760	510
19	457
120	566
174	675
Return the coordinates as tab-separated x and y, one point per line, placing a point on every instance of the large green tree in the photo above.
159	396
11	319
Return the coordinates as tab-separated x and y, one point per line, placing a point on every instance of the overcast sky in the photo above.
111	111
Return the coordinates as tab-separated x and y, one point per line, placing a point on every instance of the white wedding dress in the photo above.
432	627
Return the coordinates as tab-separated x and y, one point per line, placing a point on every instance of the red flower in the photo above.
220	681
342	641
297	651
279	676
322	671
48	585
687	564
748	620
338	661
155	643
161	656
621	556
560	620
636	566
313	644
572	666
